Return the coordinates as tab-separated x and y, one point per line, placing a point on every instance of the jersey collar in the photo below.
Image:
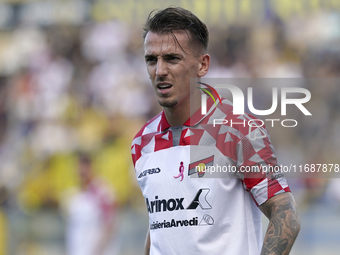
196	118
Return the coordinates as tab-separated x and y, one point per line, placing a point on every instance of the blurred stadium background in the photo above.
73	79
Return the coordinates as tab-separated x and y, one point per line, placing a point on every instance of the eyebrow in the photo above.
165	55
149	55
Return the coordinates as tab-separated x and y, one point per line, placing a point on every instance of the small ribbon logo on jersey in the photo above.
181	172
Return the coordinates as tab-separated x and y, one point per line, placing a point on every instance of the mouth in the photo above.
163	87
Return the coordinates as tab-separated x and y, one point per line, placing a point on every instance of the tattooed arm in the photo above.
147	244
284	224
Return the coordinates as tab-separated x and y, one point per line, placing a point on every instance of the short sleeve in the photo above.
257	165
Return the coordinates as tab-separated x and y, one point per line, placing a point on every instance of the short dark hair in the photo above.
84	158
177	18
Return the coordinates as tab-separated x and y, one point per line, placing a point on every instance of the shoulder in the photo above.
147	131
149	127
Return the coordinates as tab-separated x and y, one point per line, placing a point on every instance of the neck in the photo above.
179	114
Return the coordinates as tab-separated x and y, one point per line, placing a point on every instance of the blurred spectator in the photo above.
91	215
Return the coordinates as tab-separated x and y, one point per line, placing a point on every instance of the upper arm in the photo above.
282	205
284	224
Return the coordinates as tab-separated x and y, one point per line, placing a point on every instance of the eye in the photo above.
150	60
172	59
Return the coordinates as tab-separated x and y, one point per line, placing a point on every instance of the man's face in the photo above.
170	65
85	172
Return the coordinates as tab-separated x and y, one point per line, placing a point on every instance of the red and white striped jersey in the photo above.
192	211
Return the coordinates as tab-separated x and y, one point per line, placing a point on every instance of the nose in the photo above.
161	68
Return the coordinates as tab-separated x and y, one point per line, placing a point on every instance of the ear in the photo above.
204	63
